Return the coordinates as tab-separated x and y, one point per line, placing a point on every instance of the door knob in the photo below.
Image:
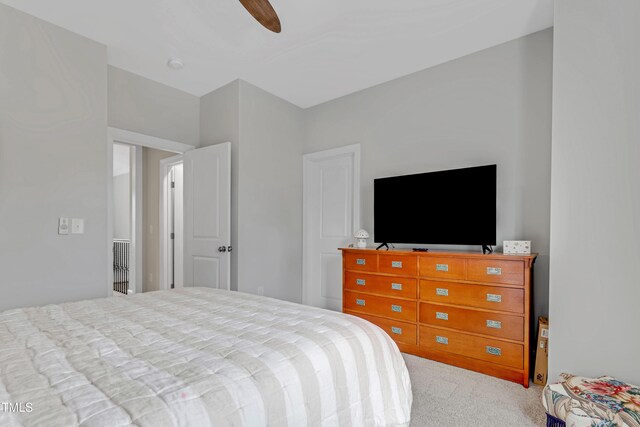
229	248
222	249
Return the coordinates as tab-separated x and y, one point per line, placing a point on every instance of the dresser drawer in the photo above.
480	296
496	271
361	262
380	306
480	322
443	267
401	265
487	349
402	332
392	286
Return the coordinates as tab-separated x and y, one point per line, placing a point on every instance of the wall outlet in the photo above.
77	226
63	226
260	290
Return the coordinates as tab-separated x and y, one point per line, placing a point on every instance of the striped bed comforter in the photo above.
197	357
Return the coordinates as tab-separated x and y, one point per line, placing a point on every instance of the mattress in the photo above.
197	357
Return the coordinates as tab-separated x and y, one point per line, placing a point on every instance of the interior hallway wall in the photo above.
122	206
151	217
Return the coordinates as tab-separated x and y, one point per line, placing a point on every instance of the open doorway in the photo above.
137	211
154	189
123	279
203	203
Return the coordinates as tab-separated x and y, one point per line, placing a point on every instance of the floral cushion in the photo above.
589	402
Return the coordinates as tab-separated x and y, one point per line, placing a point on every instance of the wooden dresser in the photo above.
462	308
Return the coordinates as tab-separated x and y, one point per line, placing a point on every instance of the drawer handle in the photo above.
360	302
442	292
494	271
442	267
396	286
495	324
442	316
361	261
396	264
494	350
396	330
396	308
494	298
360	282
442	340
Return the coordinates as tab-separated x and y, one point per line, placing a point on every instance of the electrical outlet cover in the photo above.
77	226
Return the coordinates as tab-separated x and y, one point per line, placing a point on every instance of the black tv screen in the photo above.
452	207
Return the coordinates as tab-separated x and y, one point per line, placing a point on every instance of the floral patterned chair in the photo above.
591	402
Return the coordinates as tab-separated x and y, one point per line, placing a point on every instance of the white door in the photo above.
207	216
331	214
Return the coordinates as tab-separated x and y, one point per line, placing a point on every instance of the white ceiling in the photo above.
327	48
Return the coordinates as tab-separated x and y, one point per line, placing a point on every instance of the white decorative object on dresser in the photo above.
516	247
362	236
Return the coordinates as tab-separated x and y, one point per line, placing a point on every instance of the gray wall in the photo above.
122	206
267	134
270	195
53	162
151	217
595	198
220	122
490	107
142	105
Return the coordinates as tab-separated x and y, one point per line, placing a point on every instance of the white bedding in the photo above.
197	357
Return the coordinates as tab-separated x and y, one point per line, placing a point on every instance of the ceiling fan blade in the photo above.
264	13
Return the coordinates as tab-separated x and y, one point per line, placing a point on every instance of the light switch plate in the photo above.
63	225
77	226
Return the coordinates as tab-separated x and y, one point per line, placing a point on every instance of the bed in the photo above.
197	357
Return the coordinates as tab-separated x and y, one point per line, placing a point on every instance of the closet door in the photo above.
331	214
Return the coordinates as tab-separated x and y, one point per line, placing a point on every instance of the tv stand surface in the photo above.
442	252
486	249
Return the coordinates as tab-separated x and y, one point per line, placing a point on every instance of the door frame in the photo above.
165	206
138	140
307	160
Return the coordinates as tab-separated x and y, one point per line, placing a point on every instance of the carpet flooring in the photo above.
445	396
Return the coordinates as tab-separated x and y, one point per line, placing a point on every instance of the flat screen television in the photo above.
451	207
